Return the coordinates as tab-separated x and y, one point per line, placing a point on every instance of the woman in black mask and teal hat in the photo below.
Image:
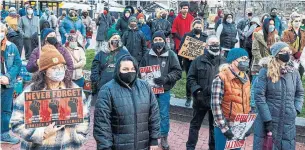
196	33
126	114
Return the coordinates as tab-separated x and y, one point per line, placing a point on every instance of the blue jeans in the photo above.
252	101
220	140
6	108
164	104
80	82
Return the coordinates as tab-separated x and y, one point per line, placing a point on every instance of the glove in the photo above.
268	126
161	80
177	36
228	134
199	95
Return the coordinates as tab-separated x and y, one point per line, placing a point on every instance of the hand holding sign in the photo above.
51	129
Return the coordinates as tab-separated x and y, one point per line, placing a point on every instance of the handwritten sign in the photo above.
191	48
149	73
60	106
242	124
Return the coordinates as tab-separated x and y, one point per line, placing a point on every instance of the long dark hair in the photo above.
225	18
266	27
39	80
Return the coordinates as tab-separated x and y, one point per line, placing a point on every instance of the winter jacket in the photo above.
169	64
16	38
203	37
161	25
68	24
181	26
70	137
12	21
122	25
28	26
146	31
200	77
12	63
79	61
126	117
289	36
103	65
259	50
52	19
32	64
227	33
241	25
104	23
171	19
135	42
278	25
277	102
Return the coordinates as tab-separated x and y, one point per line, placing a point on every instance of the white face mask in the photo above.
72	45
56	76
1	36
30	12
296	24
229	20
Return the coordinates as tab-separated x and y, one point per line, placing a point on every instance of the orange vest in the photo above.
236	98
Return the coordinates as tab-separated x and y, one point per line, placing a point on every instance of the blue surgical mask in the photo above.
271	28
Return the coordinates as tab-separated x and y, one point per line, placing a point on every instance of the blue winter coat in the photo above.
278	25
146	30
67	25
12	63
277	102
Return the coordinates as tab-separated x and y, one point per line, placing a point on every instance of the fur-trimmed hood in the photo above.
105	47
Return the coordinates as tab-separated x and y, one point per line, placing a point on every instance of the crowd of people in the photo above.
252	66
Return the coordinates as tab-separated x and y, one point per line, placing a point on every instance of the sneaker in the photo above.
8	139
188	102
164	143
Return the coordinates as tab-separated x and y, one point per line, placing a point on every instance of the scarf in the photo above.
74	19
288	68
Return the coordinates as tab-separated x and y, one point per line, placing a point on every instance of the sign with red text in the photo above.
149	73
63	107
88	83
242	124
191	48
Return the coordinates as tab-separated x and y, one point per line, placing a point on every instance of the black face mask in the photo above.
197	31
158	46
284	57
115	43
250	14
163	16
214	48
128	77
243	65
273	14
52	40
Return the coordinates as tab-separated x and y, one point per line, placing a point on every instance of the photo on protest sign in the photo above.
149	73
63	107
191	48
87	86
242	124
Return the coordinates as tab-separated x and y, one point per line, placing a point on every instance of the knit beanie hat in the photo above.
277	47
49	56
132	19
111	32
159	34
236	53
45	32
140	15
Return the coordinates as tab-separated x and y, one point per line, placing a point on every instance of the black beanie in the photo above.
159	34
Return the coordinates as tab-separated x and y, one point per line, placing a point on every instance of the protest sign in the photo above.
242	124
87	86
149	73
60	106
191	48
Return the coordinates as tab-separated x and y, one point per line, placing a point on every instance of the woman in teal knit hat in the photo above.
122	24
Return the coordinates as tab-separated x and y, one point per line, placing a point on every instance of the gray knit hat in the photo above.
132	19
277	47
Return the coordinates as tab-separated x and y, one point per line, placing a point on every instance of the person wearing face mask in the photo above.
295	37
10	68
277	21
200	76
162	24
122	24
72	22
145	29
243	26
104	61
52	75
134	40
161	55
279	98
228	35
87	21
126	114
225	103
48	37
104	23
79	58
29	26
171	16
22	12
264	16
196	33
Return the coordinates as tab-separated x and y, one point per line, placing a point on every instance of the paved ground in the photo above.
177	138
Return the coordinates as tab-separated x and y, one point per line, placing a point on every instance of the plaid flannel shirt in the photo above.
216	99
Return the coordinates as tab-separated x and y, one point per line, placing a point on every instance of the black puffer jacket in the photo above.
126	118
201	75
135	42
162	25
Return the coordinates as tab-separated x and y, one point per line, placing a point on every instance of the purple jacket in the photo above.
32	64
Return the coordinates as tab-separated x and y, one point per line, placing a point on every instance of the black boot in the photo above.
164	143
188	101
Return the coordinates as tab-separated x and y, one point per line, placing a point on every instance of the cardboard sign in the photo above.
242	124
191	48
149	73
63	107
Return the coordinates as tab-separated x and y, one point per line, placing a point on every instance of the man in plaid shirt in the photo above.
230	95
